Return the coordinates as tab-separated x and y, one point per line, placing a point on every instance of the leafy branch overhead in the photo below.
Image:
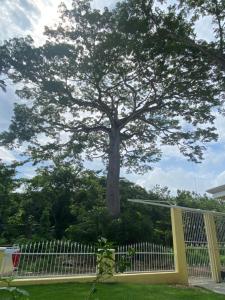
116	84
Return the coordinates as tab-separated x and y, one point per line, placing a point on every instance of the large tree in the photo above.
115	84
213	11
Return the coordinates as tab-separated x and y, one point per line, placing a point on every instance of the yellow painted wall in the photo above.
145	278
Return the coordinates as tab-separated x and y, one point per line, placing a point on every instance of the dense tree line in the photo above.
67	202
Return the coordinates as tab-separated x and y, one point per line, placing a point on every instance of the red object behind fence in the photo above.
16	259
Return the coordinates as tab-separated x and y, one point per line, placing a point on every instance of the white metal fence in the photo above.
66	258
56	258
148	257
220	230
197	253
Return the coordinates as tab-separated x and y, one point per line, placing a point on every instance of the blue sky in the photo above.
21	17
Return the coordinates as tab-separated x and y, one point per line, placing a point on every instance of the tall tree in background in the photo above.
114	84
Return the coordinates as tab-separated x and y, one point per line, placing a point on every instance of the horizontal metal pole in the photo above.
54	253
31	253
175	206
161	253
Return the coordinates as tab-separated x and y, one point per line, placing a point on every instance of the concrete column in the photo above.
179	244
213	248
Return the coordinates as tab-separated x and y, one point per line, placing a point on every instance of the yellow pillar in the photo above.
179	244
214	254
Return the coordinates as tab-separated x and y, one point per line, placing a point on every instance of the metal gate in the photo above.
196	244
220	231
200	236
200	268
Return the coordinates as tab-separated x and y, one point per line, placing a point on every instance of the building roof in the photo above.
217	192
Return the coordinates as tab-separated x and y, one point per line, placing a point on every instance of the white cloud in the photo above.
220	126
204	29
169	152
95	164
213	157
29	173
49	17
6	155
22	17
220	179
175	178
100	4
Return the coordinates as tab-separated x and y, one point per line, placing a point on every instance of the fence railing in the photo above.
222	255
56	258
197	252
66	258
220	225
148	257
198	262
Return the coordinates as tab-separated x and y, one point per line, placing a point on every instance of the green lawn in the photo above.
74	291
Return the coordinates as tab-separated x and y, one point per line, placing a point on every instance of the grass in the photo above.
75	291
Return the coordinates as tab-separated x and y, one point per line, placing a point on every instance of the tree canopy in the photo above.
116	84
216	11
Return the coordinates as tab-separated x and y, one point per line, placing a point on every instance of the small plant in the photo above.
125	261
105	260
107	266
13	292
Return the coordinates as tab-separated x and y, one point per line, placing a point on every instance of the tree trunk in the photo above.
113	175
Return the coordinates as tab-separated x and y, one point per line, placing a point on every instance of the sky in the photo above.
22	17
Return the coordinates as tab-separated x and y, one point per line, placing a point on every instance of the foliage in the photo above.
3	68
65	201
214	10
107	265
8	184
14	292
113	83
222	260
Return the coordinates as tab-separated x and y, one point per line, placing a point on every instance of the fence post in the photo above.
179	244
214	255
